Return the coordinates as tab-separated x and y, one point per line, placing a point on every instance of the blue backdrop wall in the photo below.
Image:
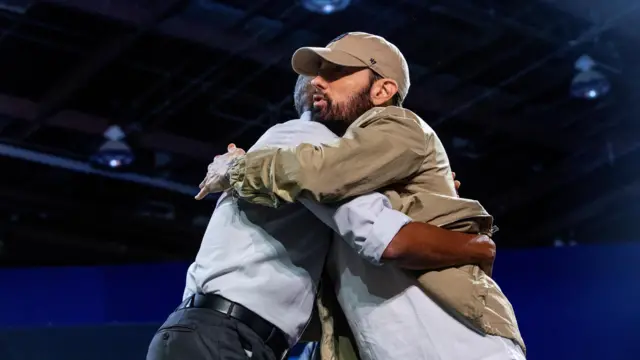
579	302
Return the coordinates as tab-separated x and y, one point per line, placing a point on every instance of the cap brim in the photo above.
307	60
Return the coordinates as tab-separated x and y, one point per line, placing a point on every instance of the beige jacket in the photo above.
393	151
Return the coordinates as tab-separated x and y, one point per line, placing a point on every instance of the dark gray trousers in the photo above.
202	334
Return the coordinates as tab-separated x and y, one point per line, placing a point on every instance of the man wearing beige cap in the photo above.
360	80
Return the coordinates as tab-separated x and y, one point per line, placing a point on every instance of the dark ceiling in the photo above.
184	78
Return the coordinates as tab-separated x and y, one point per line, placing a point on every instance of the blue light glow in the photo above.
325	6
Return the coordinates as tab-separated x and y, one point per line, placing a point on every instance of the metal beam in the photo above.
186	94
523	129
586	212
472	12
59	93
587	35
574	168
592	147
233	42
25	110
23	203
596	11
83	167
429	92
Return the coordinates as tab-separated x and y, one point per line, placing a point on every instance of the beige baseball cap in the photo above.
357	49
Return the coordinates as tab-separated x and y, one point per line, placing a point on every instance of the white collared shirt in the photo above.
392	318
270	260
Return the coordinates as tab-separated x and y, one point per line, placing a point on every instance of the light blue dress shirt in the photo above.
270	260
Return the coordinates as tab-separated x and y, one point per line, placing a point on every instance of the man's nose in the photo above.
319	83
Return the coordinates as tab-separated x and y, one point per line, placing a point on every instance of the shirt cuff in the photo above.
241	184
236	173
385	228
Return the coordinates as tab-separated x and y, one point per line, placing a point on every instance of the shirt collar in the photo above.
306	116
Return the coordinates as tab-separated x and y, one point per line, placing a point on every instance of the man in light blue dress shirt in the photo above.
251	289
268	260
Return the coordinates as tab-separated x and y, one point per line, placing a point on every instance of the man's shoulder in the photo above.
293	133
299	124
396	111
295	125
307	126
399	114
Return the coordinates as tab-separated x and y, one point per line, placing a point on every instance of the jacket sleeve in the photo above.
382	151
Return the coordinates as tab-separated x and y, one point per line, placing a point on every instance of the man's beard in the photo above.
338	117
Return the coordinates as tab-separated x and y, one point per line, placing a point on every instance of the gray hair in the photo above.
302	94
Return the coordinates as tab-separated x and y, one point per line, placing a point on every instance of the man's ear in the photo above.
383	91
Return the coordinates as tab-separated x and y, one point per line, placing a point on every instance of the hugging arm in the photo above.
380	234
385	150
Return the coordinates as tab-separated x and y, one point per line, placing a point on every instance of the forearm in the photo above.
364	160
420	246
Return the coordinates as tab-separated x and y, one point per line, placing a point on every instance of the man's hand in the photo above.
421	246
487	248
216	179
456	183
485	243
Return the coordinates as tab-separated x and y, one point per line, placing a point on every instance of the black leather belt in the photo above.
273	337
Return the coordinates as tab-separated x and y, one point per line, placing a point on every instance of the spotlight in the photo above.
114	153
588	83
325	6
